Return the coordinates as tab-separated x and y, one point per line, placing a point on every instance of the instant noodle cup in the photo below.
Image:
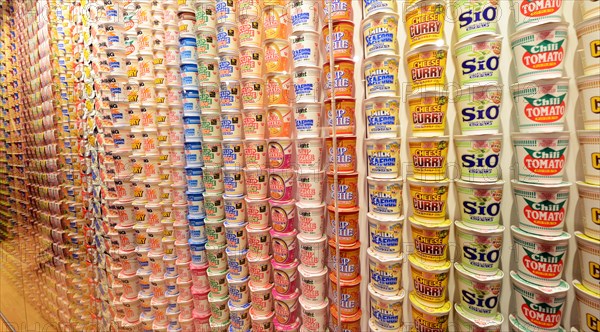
283	215
305	47
589	306
311	219
425	317
380	34
234	182
427	67
339	40
281	184
250	30
430	240
228	38
428	113
238	290
379	6
424	21
254	123
429	157
213	179
349	302
251	62
284	246
466	322
312	253
233	153
382	117
383	157
539	51
304	16
429	199
285	277
539	307
344	116
540	259
257	213
260	270
541	105
337	10
261	298
346	154
386	310
276	22
230	97
314	316
385	234
587	32
588	87
590	196
480	294
542	207
280	154
478	109
211	128
286	310
473	19
256	182
348	323
589	9
347	190
529	15
259	242
430	282
381	76
279	122
343	79
252	93
261	322
541	156
312	285
255	153
589	251
277	56
346	224
309	187
215	253
239	317
385	273
479	157
385	196
218	308
238	263
307	84
479	203
479	60
349	260
307	117
589	140
210	98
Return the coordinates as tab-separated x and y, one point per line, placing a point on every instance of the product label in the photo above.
546	161
541	315
546	109
546	213
539	8
543	265
544	55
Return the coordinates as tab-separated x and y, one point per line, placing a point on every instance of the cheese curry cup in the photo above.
429	157
427	67
424	21
430	241
428	113
429	199
430	282
426	318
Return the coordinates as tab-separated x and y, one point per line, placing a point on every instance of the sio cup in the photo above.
211	127
479	203
383	157
539	52
541	105
589	87
479	157
541	156
589	141
486	288
541	208
309	153
257	213
385	273
471	19
312	285
590	196
479	59
478	109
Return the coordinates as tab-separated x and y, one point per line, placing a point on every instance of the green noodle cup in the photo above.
480	203
479	249
478	109
473	18
478	60
479	157
464	322
479	294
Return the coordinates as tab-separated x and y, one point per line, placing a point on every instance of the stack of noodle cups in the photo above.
384	181
587	291
305	44
540	97
428	188
340	91
479	234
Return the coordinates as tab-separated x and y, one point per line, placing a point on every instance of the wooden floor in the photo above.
22	316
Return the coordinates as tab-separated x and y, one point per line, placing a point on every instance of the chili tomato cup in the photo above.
528	15
541	105
541	157
542	208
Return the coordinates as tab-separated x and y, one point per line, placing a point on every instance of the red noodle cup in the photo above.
233	154
285	276
341	10
176	153
305	48
132	309
343	115
233	179
124	189
286	311
277	56
198	276
343	79
261	298
256	182
126	237
346	154
312	253
251	30
349	260
254	123
283	215
284	246
259	242
350	292
257	213
347	225
310	186
347	190
251	62
281	184
343	35
213	179
260	270
253	93
309	153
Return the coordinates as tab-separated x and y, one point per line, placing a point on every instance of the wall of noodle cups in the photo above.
199	165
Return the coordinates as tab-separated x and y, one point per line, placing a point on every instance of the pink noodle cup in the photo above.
286	307
281	184
284	246
261	298
285	276
280	153
283	215
261	323
260	270
257	185
259	242
257	213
